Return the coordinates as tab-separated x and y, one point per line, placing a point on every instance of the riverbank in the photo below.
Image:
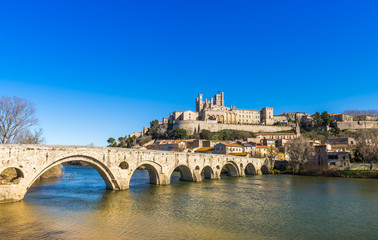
331	173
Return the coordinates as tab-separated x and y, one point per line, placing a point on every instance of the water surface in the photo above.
256	207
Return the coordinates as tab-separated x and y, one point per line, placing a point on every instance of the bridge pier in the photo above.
123	184
242	172
165	179
197	176
12	193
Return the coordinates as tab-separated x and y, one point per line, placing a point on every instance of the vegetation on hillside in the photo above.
226	134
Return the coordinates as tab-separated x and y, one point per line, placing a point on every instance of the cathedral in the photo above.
214	109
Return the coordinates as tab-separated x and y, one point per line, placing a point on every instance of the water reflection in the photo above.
254	207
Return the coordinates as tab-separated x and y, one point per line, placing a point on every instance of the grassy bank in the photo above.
333	173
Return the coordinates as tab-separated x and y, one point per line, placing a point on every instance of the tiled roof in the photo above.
342	146
231	144
204	149
238	154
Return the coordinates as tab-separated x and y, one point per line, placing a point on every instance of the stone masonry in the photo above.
117	165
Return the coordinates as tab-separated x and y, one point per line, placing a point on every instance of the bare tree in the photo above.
28	137
299	153
367	145
16	117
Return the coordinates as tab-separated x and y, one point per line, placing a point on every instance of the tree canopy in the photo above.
177	133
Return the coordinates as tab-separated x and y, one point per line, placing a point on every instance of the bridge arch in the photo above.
232	168
207	173
153	171
264	169
185	173
103	170
250	169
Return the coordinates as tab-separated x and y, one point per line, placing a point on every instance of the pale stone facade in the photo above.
216	110
276	135
227	148
282	118
117	165
355	125
212	125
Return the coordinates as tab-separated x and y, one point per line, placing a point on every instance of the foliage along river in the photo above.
256	207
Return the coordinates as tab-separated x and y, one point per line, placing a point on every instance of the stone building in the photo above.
261	151
321	157
215	109
276	135
281	118
341	141
227	148
341	117
295	115
338	160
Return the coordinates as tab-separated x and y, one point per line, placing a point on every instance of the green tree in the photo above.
111	141
326	118
288	118
122	142
318	120
177	133
205	134
153	131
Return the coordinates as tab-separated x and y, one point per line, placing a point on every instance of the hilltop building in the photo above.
214	116
214	109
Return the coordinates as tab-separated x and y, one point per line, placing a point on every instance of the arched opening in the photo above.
182	173
83	178
145	174
88	168
207	173
124	165
250	169
229	169
11	175
264	169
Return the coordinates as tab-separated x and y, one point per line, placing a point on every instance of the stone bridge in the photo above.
117	165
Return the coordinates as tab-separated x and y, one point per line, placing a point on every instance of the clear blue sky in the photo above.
96	69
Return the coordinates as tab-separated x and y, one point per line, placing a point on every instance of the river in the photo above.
254	207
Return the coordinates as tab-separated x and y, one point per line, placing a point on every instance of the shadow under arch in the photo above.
185	173
264	169
207	173
104	171
231	168
250	169
12	172
152	171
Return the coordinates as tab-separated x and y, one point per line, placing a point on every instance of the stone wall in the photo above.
362	166
192	127
357	125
